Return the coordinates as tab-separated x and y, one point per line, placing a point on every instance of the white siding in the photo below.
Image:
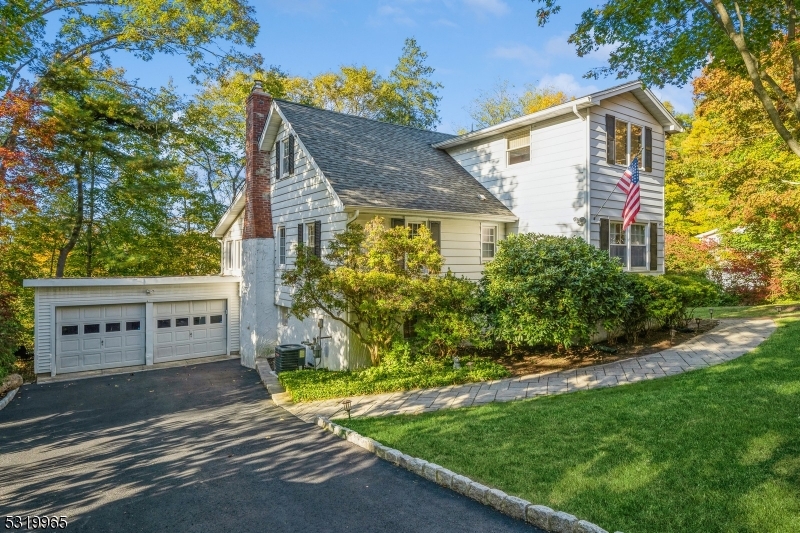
548	191
303	198
460	240
48	298
604	177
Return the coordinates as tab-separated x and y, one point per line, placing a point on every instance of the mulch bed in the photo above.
525	361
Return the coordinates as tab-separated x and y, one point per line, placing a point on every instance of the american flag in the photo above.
629	183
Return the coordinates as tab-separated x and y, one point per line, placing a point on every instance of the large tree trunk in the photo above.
77	225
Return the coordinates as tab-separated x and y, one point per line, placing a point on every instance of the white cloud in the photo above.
680	97
567	83
492	7
520	52
394	14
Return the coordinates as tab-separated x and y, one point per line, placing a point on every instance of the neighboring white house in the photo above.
311	172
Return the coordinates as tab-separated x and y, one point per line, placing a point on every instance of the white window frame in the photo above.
308	234
496	229
227	254
628	139
237	247
284	162
283	316
626	265
516	135
282	245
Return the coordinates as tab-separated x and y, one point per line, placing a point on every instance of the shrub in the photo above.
542	289
452	320
9	333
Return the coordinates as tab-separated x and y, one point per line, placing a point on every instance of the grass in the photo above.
789	308
309	385
714	450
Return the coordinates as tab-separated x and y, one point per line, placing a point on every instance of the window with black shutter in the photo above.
291	154
436	233
604	234
300	234
610	144
318	238
653	246
648	149
278	170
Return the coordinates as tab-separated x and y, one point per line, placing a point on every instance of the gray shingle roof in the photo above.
376	164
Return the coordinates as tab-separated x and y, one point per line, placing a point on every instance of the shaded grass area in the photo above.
714	450
309	385
787	309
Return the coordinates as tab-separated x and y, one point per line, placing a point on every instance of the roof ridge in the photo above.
349	115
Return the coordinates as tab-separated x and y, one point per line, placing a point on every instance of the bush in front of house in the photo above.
547	290
452	320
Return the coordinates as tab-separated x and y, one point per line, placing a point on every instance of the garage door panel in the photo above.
92	337
191	328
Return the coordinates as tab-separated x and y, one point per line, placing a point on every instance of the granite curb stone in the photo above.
7	398
536	515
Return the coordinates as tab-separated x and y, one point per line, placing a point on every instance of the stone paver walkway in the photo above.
729	340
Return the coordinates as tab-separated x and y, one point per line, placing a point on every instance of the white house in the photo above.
311	172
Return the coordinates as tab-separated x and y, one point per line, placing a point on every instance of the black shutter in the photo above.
648	149
436	234
291	154
611	126
653	246
604	234
278	172
299	234
318	238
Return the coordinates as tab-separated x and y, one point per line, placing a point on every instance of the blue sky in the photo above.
472	44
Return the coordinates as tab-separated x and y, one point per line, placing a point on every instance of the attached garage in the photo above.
91	324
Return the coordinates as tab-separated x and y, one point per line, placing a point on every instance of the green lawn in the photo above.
791	308
309	385
708	451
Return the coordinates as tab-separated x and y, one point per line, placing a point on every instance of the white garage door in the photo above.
185	330
99	336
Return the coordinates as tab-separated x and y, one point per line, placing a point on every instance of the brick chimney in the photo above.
258	210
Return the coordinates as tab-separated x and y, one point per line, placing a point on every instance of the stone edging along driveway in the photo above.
732	338
7	398
537	515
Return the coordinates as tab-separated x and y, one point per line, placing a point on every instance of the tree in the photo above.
547	290
371	279
94	28
501	103
666	41
411	97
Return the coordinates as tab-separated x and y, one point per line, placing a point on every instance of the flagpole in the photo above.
615	188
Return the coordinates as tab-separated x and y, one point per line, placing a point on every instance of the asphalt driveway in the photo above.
203	449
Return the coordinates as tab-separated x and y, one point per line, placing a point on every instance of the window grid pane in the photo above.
488	242
621	142
617	233
636	142
310	235
282	246
285	157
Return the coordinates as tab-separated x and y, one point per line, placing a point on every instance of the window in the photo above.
311	236
625	141
282	246
91	328
284	157
228	253
488	242
113	327
216	319
181	322
238	254
519	147
629	246
638	246
199	321
617	245
165	323
284	315
133	326
69	330
414	228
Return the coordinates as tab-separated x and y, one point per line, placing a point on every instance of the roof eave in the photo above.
365	209
533	118
231	214
128	281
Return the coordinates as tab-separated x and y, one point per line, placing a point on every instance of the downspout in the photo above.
352	218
